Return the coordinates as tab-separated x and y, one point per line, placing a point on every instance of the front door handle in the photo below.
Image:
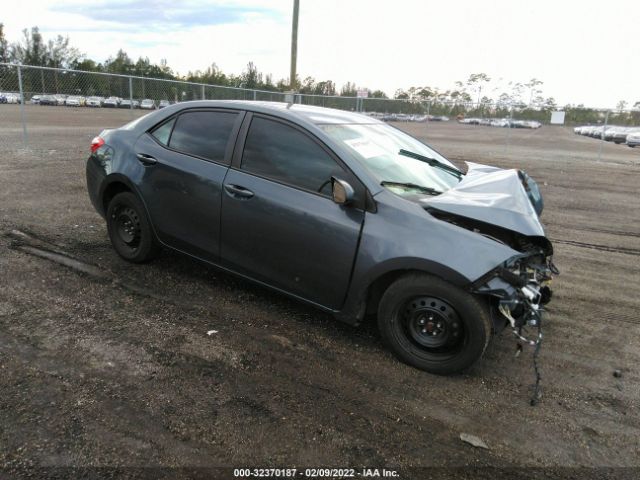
146	159
237	191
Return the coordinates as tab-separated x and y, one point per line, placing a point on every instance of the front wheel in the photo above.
129	229
433	325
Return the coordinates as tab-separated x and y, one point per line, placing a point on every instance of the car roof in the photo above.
306	113
307	116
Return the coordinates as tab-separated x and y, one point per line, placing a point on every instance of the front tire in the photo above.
130	230
433	325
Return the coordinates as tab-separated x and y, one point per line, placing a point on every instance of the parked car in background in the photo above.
148	104
163	103
610	131
94	101
500	122
373	221
111	102
48	100
126	103
10	97
74	101
620	136
633	139
35	99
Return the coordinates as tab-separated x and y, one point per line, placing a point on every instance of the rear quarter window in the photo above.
163	132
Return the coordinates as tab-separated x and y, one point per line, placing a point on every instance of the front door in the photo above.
279	223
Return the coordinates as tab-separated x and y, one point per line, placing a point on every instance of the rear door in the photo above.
279	223
185	160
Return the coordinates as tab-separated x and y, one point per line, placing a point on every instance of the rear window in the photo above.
203	134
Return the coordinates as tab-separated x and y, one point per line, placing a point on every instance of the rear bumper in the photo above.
95	175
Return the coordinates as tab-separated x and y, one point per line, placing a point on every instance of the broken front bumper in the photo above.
520	287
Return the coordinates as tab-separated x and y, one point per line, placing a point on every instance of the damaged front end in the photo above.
505	206
521	288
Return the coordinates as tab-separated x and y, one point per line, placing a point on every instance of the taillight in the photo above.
96	143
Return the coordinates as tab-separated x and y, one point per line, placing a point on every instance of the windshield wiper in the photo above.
429	190
433	162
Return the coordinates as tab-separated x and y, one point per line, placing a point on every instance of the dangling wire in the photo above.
537	394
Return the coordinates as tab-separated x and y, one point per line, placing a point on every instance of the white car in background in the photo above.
148	104
10	97
73	101
94	101
620	135
633	139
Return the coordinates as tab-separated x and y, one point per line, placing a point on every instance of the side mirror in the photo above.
343	193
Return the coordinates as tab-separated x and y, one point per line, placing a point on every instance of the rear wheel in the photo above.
433	325
129	229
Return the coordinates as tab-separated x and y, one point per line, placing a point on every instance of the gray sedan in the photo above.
338	210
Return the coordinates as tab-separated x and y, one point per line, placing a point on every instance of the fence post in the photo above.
508	142
203	96
428	112
604	127
131	95
22	116
254	95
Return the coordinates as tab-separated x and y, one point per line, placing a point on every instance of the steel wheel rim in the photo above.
127	227
432	324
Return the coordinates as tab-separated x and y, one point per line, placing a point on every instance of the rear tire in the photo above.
433	325
130	230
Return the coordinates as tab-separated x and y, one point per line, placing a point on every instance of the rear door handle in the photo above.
237	191
146	159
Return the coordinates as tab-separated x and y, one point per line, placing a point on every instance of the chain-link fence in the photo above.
84	101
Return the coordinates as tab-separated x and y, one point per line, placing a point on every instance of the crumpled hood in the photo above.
492	195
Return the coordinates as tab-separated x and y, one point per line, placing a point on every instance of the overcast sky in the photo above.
585	51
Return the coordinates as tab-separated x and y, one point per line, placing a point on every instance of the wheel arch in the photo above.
364	300
116	183
113	185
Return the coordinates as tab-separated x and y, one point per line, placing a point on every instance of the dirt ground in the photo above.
112	372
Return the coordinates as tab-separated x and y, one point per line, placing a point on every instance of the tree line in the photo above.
472	97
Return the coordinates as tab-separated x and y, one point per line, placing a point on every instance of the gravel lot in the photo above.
113	368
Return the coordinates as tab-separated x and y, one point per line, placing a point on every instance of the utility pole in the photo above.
294	45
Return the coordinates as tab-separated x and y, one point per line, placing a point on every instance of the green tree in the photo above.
532	85
349	90
378	94
476	81
401	95
121	63
60	54
550	104
31	50
251	77
621	105
4	46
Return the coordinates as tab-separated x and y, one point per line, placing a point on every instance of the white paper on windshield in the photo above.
365	147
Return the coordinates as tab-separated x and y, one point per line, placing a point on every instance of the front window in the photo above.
377	146
282	153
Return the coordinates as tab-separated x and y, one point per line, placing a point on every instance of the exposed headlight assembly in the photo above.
521	286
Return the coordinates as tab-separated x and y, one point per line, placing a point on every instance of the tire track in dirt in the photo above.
595	246
621	233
